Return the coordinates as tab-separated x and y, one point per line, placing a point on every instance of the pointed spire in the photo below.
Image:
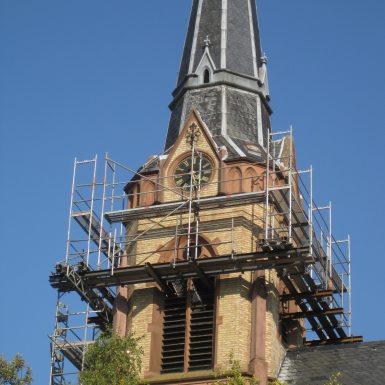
223	74
231	27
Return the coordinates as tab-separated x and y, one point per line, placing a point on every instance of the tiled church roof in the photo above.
360	364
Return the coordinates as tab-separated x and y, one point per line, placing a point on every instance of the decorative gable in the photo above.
206	68
203	145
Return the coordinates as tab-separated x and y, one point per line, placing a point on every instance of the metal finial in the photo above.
193	134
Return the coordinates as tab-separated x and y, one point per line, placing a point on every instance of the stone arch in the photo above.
130	199
250	180
235	180
253	181
147	194
167	252
206	76
133	195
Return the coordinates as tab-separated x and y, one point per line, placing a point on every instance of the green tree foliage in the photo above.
234	375
15	372
112	360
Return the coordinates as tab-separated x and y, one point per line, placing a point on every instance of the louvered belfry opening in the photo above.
174	331
188	327
201	327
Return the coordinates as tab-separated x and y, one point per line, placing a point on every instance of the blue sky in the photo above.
91	76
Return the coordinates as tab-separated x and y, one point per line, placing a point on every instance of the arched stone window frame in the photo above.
254	181
250	180
206	63
206	75
186	306
206	249
147	195
235	180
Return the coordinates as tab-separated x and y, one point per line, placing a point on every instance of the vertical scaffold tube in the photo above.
70	214
267	187
95	161
290	183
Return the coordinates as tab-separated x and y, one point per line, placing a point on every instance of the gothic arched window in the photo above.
147	196
189	317
252	180
235	180
206	76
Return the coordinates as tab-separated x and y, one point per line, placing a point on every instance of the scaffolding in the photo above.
329	277
289	233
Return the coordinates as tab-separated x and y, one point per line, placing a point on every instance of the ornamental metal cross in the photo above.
193	134
207	41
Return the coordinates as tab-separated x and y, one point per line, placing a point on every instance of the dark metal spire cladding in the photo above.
240	52
223	75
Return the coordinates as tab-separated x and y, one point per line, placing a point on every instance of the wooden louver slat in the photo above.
174	335
199	340
202	329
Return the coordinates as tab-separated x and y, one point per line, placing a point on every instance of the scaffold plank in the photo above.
324	305
309	294
185	269
158	210
346	340
313	322
310	313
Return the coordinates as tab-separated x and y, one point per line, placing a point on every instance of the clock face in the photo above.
201	175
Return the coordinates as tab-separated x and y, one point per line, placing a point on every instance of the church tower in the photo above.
213	174
211	252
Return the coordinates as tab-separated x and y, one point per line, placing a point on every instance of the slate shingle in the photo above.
360	363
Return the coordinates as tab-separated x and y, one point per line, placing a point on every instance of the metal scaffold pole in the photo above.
350	287
291	184
101	227
91	210
330	241
311	211
190	200
267	187
70	213
85	333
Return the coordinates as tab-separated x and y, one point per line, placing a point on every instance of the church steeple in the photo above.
232	29
223	76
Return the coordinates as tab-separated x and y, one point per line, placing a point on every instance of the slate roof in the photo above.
234	103
360	363
242	36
